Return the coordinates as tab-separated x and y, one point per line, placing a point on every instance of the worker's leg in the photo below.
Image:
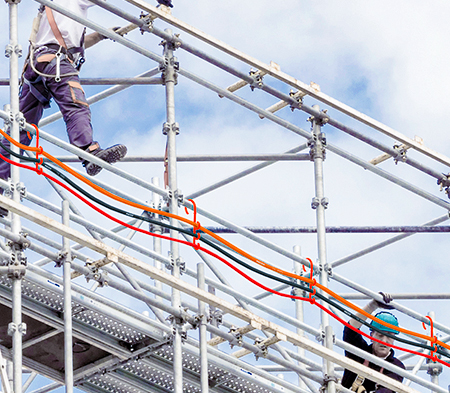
69	96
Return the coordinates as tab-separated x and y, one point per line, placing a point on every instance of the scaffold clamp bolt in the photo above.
315	203
21	328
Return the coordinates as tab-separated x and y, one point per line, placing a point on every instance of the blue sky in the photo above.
388	60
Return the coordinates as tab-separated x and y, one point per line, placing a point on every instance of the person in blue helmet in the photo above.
358	383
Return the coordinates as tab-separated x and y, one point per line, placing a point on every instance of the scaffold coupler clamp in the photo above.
316	202
18	261
178	326
176	262
297	96
263	351
434	368
257	77
237	337
401	154
326	380
329	270
317	146
295	291
10	49
215	316
13	327
320	337
95	274
167	127
444	183
147	26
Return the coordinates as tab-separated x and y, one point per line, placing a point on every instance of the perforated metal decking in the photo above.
109	354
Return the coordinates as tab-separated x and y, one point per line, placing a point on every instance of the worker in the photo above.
51	71
358	383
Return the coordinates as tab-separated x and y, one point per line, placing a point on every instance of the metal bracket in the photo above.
175	127
177	194
215	315
263	350
21	328
314	142
329	270
237	340
298	97
315	203
321	121
10	49
325	202
401	154
321	336
434	368
148	20
20	187
96	275
257	77
326	380
179	325
176	262
62	255
444	183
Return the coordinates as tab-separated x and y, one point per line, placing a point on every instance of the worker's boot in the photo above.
110	155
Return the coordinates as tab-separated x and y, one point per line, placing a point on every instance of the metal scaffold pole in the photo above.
67	259
171	129
16	328
202	332
320	203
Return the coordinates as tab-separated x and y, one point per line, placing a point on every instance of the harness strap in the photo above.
359	380
43	100
54	27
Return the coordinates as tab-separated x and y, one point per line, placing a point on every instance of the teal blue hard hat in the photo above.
386	317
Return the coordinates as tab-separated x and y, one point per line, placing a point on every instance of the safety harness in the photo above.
357	385
74	55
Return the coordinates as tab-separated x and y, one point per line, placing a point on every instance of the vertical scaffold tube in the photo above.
202	332
156	198
68	355
320	204
171	130
16	328
299	311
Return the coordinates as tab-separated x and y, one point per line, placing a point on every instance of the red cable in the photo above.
196	246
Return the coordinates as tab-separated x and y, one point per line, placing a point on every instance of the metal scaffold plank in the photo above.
303	87
178	284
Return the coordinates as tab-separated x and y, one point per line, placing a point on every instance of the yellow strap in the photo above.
54	27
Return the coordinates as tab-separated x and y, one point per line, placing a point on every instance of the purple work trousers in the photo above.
68	94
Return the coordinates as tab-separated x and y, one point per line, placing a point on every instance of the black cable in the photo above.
222	251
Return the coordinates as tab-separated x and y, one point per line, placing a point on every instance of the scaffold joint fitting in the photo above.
237	337
326	380
174	127
176	262
95	274
257	77
21	328
434	368
321	336
147	26
298	97
12	1
263	351
329	270
401	154
215	316
315	203
444	183
317	145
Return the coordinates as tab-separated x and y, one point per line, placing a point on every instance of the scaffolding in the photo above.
100	338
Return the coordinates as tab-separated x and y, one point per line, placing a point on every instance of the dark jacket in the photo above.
355	339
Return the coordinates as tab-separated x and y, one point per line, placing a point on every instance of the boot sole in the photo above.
111	155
